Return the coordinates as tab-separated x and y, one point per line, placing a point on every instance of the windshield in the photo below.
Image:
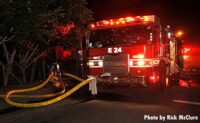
120	36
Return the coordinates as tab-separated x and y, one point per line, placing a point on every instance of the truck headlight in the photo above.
90	63
95	63
141	63
131	63
101	63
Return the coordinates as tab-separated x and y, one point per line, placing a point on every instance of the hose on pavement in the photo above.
48	102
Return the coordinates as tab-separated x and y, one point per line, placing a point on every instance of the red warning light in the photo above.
185	50
183	83
123	21
186	57
66	53
92	25
179	34
111	23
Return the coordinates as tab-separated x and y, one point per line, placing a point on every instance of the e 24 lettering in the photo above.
115	50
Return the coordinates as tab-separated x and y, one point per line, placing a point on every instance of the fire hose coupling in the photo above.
57	75
56	69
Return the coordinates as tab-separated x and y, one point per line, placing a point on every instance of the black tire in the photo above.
174	79
162	77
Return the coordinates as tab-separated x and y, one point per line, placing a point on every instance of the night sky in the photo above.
179	14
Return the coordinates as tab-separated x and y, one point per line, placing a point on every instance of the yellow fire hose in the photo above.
36	88
36	96
48	102
73	76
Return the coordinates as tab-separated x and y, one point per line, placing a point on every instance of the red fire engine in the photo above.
133	50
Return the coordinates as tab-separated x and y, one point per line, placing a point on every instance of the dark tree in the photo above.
29	27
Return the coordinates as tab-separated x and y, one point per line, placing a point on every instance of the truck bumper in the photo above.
136	77
123	80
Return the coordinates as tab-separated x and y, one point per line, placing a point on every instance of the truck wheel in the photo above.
162	77
174	79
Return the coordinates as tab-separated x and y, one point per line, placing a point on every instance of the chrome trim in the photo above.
146	60
95	61
128	63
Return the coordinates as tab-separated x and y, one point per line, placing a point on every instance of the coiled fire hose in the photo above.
48	102
36	88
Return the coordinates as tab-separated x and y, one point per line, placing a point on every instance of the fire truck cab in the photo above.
132	50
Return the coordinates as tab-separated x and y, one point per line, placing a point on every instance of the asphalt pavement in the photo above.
114	105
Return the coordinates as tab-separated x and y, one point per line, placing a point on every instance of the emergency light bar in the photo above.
124	21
